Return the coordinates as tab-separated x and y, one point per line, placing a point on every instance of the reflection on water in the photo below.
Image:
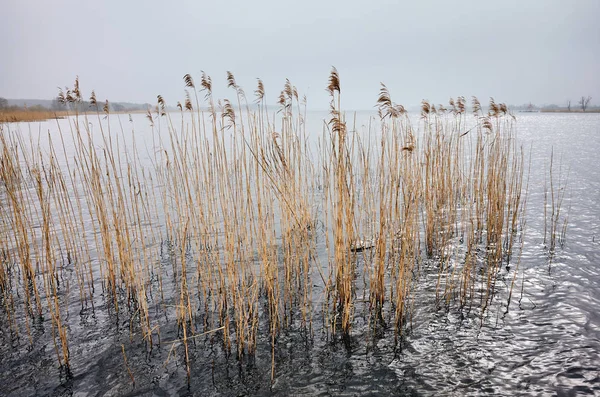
548	343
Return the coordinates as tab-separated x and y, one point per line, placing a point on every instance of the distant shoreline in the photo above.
25	116
579	111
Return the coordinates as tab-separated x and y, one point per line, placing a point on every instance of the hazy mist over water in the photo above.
518	52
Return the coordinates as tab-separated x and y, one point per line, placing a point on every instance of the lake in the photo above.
539	334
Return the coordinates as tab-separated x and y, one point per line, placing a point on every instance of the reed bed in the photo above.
21	115
212	222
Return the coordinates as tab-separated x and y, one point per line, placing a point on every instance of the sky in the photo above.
539	51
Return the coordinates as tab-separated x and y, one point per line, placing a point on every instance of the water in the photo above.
548	343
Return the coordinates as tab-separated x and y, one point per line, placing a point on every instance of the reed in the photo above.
213	228
555	188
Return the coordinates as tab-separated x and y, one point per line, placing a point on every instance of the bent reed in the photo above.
229	217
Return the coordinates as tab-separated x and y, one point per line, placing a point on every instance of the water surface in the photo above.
546	343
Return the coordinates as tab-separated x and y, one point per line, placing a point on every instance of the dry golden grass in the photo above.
225	215
24	115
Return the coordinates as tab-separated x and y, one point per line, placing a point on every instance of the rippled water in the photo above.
548	343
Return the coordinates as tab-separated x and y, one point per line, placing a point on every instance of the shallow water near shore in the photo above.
547	342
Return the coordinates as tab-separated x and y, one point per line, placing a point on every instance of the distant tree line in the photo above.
583	103
5	106
56	105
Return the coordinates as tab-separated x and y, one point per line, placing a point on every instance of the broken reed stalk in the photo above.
127	365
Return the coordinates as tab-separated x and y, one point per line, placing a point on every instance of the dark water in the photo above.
547	343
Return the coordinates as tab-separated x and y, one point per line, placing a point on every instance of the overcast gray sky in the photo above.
543	51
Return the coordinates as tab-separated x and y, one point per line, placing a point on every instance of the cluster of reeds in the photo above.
450	194
214	219
16	115
554	196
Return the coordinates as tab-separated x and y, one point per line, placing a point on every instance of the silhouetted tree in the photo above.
569	105
584	102
3	103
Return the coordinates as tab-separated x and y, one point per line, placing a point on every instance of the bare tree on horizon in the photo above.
569	104
584	102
